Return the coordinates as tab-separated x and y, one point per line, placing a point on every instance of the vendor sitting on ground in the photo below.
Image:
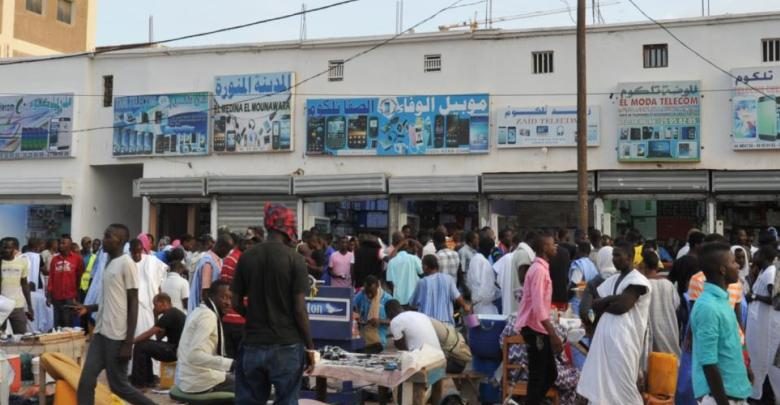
370	304
169	324
202	366
411	330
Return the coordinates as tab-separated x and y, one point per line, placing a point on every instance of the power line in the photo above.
695	52
181	38
310	78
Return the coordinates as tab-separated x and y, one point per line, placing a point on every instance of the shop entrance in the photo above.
752	216
428	214
534	215
353	216
43	221
177	219
666	221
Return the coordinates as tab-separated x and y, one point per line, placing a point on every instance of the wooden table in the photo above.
69	343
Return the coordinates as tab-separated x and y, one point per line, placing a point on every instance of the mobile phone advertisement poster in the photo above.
398	126
36	126
161	125
543	126
659	121
253	113
756	108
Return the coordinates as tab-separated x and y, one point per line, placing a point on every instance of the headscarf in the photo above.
146	244
279	218
745	270
604	262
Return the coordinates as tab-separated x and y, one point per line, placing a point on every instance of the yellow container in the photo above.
662	374
64	394
167	375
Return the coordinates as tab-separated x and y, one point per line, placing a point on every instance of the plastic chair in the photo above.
519	388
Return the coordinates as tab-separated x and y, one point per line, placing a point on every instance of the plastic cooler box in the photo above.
483	339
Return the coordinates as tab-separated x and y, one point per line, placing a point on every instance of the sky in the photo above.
121	21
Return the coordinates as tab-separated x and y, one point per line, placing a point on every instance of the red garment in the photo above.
228	270
64	275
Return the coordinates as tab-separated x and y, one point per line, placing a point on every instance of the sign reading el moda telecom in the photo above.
253	112
162	124
756	108
543	126
398	126
36	126
659	122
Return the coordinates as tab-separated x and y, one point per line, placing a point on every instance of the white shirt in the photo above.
199	368
178	288
429	249
416	328
120	275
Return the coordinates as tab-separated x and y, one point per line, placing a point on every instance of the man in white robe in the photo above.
151	273
44	315
763	325
481	280
612	367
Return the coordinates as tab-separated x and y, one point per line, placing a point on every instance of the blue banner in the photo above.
398	126
253	113
328	309
164	124
36	126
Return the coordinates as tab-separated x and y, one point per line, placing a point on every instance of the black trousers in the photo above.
63	316
143	353
234	334
542	371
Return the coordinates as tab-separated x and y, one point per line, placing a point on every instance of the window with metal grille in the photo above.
771	49
36	6
336	70
108	91
432	63
65	11
543	62
656	56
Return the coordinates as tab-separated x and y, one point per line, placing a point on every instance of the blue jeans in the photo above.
259	367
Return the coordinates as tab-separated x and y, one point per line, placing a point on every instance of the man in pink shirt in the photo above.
340	265
533	321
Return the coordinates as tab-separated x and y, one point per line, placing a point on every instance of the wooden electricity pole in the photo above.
582	121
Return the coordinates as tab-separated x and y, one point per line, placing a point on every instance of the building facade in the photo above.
466	128
45	27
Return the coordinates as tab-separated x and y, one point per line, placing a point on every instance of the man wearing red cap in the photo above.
275	279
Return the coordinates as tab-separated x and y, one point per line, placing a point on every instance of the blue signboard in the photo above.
398	126
328	309
164	124
35	126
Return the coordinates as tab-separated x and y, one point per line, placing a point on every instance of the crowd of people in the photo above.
205	302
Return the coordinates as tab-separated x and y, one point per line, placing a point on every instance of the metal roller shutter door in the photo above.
240	212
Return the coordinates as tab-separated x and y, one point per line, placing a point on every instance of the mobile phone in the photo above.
175	139
357	132
438	131
373	128
647	133
502	135
453	130
219	134
275	134
230	140
478	133
767	118
335	136
315	134
159	144
511	135
158	116
284	132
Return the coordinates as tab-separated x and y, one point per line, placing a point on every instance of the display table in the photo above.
415	373
71	344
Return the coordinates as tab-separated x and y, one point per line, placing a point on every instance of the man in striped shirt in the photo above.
233	323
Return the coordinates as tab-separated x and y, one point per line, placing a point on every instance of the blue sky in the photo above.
120	21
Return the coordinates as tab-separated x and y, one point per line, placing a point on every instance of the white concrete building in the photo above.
662	194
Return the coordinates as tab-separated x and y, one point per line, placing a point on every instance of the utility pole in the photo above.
582	121
151	29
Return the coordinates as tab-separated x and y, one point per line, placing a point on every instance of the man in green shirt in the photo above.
719	373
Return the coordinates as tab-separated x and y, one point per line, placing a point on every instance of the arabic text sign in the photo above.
328	309
659	122
252	113
543	126
36	126
163	124
396	126
756	109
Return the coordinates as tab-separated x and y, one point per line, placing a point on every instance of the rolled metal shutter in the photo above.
238	212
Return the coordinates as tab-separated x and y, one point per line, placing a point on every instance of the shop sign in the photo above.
398	126
756	108
659	122
328	309
531	127
34	127
253	113
161	125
